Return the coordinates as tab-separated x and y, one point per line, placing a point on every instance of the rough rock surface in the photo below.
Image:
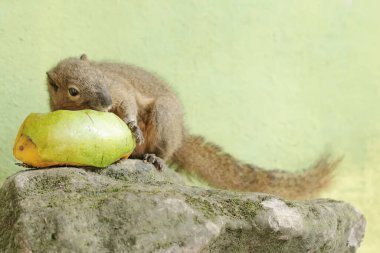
130	207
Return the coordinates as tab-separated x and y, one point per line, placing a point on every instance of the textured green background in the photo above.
275	83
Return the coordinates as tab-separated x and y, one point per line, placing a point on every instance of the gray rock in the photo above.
131	207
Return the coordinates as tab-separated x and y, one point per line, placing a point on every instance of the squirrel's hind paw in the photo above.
157	162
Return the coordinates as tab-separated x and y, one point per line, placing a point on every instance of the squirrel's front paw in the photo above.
138	136
136	131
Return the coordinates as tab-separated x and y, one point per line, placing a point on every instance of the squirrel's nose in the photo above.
104	99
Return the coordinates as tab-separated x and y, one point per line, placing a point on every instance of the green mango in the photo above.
81	138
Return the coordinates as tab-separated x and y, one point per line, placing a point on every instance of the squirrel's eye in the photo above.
73	92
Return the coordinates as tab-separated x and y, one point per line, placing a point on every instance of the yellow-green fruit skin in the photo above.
84	137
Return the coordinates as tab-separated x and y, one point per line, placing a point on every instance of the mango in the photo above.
73	138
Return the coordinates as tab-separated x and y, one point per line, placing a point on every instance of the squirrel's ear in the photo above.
51	78
83	57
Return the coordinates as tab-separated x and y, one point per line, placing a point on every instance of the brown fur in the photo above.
223	171
151	109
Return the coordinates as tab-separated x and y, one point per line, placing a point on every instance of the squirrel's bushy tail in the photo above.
223	171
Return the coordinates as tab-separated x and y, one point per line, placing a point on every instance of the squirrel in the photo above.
153	112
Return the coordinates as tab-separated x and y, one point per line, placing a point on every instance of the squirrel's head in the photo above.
75	84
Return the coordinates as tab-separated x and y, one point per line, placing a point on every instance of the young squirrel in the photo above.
154	114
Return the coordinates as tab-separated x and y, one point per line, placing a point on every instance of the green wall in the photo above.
275	83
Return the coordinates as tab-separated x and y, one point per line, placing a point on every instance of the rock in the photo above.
131	207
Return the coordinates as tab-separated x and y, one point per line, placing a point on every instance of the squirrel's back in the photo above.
144	81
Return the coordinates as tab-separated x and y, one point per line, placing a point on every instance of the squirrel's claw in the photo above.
136	131
157	162
139	137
